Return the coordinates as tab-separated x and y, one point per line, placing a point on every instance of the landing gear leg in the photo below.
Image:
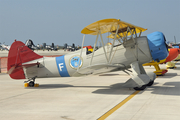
31	82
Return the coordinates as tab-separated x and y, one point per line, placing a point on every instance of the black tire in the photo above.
31	84
140	88
161	75
150	83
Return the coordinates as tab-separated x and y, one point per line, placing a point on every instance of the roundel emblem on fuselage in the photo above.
75	62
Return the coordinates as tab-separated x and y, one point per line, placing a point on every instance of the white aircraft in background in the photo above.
132	51
6	47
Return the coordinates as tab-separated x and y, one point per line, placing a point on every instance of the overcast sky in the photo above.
61	21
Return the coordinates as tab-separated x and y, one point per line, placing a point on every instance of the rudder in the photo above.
18	54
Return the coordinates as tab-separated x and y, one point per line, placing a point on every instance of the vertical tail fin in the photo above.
18	54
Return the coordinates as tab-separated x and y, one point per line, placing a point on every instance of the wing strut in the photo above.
115	37
103	47
99	33
136	45
94	48
81	52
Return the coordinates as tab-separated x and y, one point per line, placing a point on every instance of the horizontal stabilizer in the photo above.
16	67
11	70
30	64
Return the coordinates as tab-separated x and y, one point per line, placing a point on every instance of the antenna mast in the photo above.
175	39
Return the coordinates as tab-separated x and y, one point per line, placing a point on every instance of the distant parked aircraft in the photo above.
69	48
31	45
49	47
5	47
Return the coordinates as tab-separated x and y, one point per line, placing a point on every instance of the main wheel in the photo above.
171	67
31	84
150	83
140	88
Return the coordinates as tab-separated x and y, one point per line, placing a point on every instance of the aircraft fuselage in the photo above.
67	65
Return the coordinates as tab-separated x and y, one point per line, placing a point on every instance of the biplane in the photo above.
127	51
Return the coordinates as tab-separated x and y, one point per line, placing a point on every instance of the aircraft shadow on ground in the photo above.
108	74
54	86
178	63
169	88
115	89
178	68
114	74
168	75
51	86
112	89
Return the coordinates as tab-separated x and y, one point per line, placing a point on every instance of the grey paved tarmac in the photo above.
88	98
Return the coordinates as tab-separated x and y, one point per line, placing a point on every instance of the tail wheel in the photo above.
31	84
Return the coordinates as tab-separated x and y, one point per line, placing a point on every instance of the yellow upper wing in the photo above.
110	25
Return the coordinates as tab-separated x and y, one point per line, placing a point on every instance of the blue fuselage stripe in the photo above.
61	65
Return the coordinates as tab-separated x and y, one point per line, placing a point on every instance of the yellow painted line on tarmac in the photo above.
118	106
